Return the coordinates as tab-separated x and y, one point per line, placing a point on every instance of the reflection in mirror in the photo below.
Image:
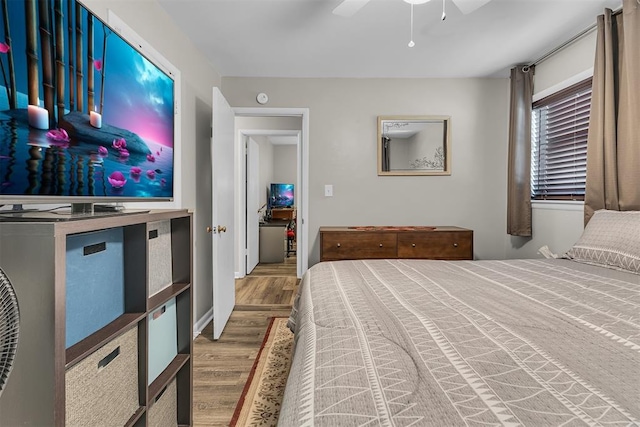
413	145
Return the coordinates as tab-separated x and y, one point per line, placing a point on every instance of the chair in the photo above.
291	237
9	324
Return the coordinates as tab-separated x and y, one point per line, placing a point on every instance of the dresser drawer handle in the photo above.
455	245
380	244
338	245
413	245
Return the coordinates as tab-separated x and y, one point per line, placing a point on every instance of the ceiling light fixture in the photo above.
348	8
411	43
412	2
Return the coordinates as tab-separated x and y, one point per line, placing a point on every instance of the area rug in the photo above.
261	398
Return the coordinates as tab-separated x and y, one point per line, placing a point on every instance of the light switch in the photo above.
328	190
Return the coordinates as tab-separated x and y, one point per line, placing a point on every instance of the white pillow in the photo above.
610	239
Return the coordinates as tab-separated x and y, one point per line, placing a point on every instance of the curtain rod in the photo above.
572	40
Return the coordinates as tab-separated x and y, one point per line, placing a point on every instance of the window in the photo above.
559	127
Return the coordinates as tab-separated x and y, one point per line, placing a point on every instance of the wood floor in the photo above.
221	368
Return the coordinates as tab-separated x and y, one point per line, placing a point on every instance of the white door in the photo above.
253	203
222	162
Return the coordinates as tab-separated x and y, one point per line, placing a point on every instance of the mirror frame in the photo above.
446	143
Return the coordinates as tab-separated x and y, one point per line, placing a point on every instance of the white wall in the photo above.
342	152
266	166
557	225
198	76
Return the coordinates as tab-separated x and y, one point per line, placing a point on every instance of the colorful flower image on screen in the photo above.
84	115
281	196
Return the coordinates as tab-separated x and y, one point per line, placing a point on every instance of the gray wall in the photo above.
400	155
198	77
342	152
285	164
574	59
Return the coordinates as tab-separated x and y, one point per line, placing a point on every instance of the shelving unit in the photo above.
33	250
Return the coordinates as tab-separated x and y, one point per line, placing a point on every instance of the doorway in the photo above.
297	136
271	182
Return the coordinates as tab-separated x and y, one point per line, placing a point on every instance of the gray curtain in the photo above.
386	155
613	146
519	168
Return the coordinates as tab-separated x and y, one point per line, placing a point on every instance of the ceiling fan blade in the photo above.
468	6
349	8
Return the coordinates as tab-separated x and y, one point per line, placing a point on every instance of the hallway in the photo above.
221	368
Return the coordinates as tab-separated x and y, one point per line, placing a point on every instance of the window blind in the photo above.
559	129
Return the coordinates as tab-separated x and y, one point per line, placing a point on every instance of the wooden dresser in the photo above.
442	242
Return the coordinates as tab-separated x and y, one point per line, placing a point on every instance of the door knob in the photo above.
222	229
209	229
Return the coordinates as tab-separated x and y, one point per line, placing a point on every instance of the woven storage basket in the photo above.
163	338
102	389
94	282
160	271
164	411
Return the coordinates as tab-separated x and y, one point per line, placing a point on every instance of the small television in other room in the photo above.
281	196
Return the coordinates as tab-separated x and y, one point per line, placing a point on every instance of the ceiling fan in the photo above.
350	7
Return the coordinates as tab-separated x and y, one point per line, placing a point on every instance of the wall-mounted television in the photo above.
281	196
84	116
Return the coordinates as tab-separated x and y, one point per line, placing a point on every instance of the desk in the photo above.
286	214
272	240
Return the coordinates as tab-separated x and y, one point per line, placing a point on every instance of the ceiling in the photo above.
303	38
405	129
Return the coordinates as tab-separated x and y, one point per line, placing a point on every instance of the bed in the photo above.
544	342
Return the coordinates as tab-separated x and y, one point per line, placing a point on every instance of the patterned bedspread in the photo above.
475	343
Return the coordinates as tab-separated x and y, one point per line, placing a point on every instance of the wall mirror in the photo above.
414	145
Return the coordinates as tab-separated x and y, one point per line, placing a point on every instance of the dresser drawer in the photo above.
450	245
357	245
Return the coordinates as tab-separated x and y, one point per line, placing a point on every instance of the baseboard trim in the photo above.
202	323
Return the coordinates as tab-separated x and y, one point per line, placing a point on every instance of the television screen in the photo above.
84	116
281	196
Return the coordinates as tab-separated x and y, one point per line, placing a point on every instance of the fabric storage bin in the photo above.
160	272
102	389
163	412
163	338
94	282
